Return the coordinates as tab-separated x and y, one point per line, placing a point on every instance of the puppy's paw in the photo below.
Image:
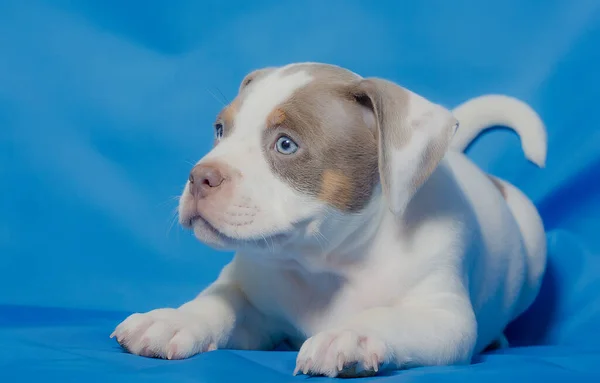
164	333
342	353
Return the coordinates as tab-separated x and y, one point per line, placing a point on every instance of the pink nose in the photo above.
205	180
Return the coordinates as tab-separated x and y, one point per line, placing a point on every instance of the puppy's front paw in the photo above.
342	353
164	333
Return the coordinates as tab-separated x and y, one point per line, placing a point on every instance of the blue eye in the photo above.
218	131
286	145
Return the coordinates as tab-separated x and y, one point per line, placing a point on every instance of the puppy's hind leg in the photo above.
534	239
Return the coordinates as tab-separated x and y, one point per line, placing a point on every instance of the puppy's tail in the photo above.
481	113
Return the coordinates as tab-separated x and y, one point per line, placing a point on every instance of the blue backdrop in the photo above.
105	104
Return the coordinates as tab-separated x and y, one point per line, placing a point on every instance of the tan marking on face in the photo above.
498	185
229	112
275	118
334	138
336	189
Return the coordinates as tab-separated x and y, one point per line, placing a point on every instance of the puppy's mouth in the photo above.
199	223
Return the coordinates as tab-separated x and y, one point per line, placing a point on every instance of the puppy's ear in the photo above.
413	137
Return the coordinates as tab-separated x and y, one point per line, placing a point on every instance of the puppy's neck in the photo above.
343	242
336	244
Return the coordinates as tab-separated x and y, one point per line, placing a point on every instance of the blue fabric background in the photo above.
105	104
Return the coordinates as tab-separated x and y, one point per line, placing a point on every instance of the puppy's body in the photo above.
424	265
412	261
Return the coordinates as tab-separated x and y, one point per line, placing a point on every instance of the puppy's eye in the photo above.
286	145
218	131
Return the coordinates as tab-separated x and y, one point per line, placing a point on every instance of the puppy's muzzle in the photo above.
205	180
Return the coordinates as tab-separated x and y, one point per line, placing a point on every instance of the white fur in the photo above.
433	286
486	111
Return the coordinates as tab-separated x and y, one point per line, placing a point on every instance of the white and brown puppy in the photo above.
363	236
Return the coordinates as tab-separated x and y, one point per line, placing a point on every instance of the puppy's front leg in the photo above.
220	317
421	330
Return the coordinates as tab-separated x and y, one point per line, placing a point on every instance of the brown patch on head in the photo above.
336	189
337	156
498	185
275	118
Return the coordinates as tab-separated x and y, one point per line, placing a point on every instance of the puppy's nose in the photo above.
205	180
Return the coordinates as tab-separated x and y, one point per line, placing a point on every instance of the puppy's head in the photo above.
305	151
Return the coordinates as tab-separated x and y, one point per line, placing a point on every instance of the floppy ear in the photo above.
413	137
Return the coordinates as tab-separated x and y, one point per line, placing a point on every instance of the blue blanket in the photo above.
105	104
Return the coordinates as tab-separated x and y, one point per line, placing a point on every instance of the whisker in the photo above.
324	242
264	239
170	199
320	236
223	96
272	245
173	220
215	97
318	241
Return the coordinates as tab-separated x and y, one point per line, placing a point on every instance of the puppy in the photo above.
362	235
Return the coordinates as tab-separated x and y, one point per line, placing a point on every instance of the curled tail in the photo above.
480	113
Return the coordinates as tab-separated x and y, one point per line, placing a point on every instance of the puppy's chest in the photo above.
312	303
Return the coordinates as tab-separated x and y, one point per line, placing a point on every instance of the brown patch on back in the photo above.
336	189
498	185
275	118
